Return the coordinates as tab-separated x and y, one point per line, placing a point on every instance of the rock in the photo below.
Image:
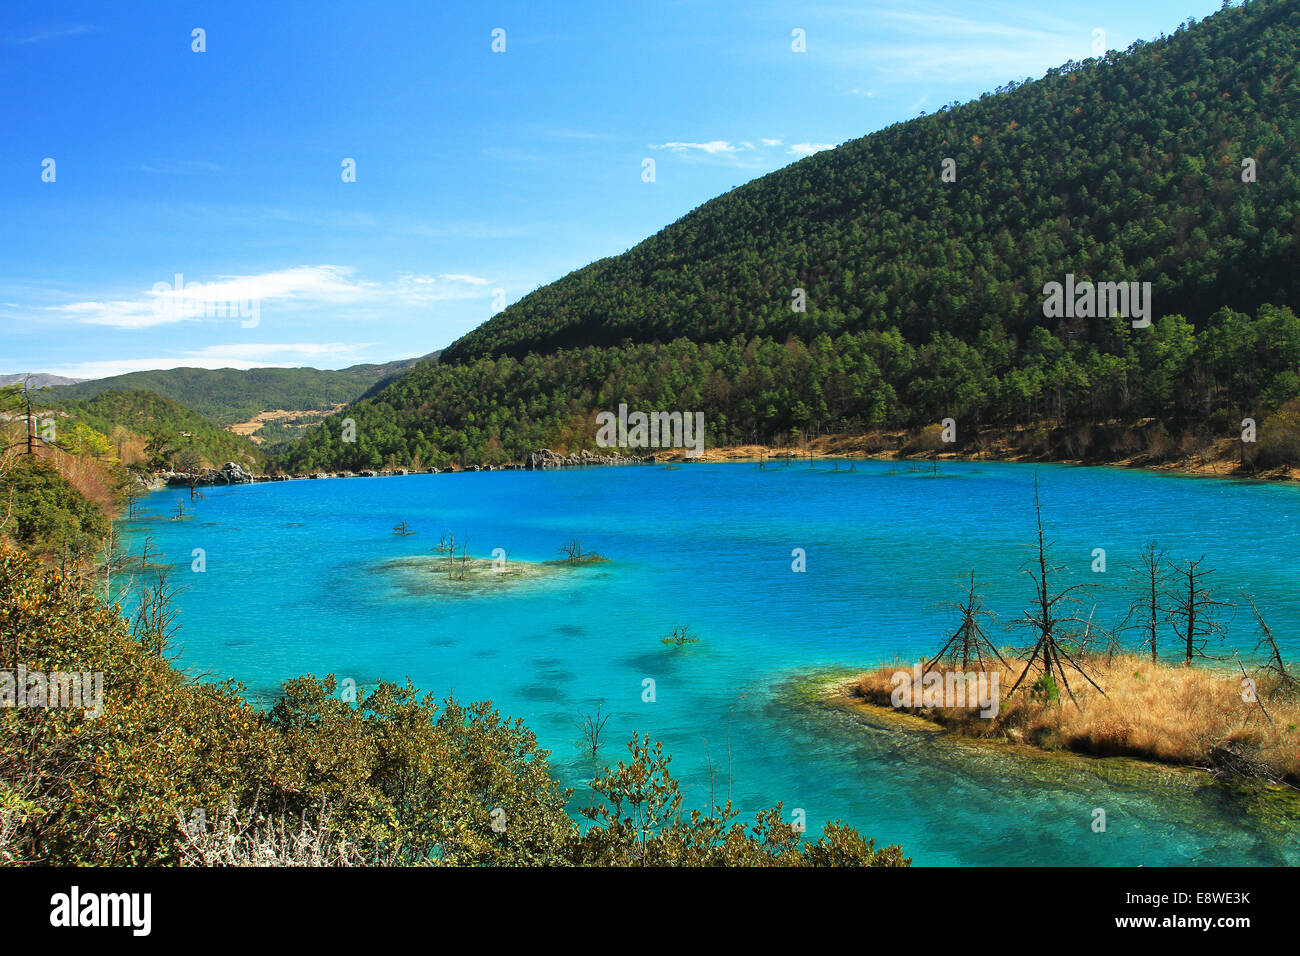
546	458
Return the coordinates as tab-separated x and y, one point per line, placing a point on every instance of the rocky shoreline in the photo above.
231	473
891	447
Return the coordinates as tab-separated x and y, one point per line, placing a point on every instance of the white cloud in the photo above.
713	147
807	149
414	289
184	300
770	142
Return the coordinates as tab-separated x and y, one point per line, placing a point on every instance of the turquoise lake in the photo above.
294	585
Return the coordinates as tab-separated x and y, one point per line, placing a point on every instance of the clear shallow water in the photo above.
293	586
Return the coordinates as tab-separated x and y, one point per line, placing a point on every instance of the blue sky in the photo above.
479	175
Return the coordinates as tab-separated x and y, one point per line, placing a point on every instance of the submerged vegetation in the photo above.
453	570
681	637
575	556
450	576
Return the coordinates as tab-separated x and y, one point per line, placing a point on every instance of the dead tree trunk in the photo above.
1045	622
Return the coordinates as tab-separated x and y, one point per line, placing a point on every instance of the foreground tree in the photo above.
640	823
19	400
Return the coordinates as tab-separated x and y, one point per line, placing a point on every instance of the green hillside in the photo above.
924	297
233	395
1122	168
132	416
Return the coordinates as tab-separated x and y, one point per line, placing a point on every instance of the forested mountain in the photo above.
234	395
156	428
1173	164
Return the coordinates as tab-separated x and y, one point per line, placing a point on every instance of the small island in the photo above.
452	570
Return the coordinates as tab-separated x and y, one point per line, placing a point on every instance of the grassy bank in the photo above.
1168	713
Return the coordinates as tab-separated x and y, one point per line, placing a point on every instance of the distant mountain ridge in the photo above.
37	379
227	396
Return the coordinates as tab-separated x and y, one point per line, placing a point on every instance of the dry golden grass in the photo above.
1192	716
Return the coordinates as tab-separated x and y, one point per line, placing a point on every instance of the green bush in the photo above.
49	515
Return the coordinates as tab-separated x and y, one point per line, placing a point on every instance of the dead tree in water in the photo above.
969	640
1273	662
189	461
1193	609
1146	611
592	726
465	559
154	622
112	561
1046	622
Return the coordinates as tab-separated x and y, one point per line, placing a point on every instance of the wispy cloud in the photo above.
425	289
47	33
170	300
807	149
714	147
465	229
743	153
934	43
